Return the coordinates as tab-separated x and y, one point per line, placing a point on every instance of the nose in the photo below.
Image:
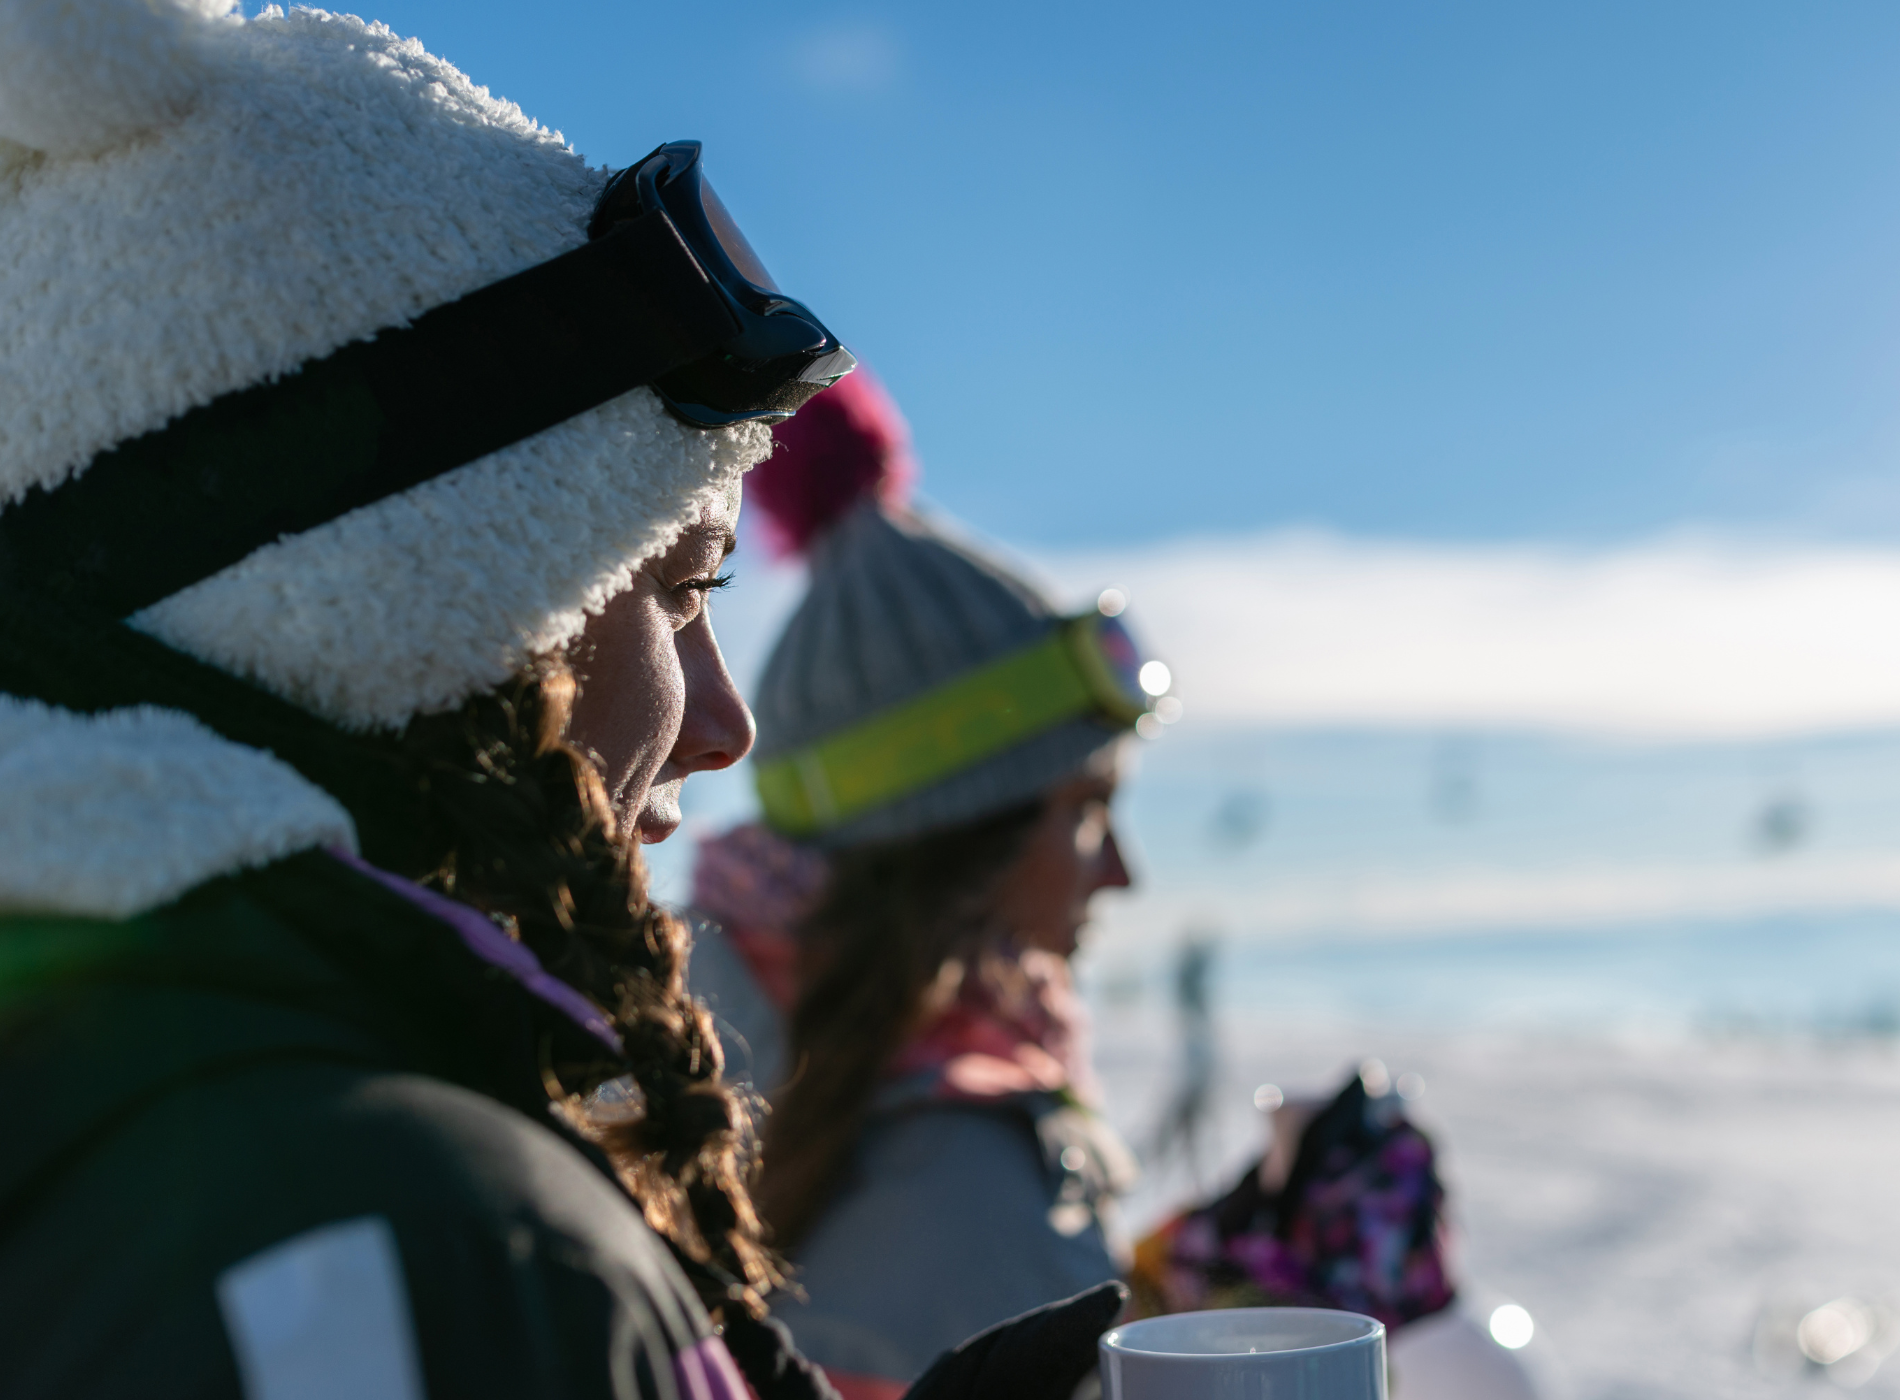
1111	872
717	729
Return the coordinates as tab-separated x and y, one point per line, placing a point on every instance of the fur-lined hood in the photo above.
115	814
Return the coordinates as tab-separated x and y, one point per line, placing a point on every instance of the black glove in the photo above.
1042	1355
763	1348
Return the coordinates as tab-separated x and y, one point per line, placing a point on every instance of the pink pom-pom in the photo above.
848	444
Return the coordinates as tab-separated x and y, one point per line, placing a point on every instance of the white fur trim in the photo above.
332	181
80	76
509	554
325	180
111	815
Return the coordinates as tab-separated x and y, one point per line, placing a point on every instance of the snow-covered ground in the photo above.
1644	1200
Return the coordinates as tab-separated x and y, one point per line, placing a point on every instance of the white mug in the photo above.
1246	1354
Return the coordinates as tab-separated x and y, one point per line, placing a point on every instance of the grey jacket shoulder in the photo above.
954	1217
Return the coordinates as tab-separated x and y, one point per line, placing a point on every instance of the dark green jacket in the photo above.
279	1061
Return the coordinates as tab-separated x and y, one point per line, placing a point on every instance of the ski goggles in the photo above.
782	354
1086	667
666	292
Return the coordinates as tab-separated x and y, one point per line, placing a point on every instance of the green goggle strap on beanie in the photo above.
1086	665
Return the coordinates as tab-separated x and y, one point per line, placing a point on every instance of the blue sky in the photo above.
1454	272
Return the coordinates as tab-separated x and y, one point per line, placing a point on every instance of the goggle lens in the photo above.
1123	660
731	241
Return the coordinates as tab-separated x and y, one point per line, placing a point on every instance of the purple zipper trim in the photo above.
487	942
706	1371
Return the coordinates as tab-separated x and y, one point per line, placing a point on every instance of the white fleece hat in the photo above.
192	203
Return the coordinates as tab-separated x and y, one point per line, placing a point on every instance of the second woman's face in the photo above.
1070	854
655	702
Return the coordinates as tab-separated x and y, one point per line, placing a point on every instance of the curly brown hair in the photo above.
525	831
488	803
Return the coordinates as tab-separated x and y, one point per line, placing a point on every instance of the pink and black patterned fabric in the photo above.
1358	1226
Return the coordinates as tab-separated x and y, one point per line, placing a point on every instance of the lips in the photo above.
660	815
654	832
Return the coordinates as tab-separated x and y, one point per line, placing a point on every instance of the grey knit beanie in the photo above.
896	609
920	685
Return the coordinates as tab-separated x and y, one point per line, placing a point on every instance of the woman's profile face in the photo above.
1070	854
655	701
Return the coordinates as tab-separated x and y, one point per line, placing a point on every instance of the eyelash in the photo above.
709	585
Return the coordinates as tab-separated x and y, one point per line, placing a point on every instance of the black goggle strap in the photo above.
162	511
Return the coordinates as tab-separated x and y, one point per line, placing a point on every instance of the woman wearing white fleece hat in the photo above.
348	423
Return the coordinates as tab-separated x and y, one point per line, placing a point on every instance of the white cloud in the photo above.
1681	637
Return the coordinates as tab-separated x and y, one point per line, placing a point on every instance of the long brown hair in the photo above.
526	831
893	918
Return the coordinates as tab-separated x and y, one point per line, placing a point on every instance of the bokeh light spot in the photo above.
1511	1326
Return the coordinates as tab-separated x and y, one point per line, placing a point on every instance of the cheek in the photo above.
1091	831
662	673
1079	851
632	694
1063	869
